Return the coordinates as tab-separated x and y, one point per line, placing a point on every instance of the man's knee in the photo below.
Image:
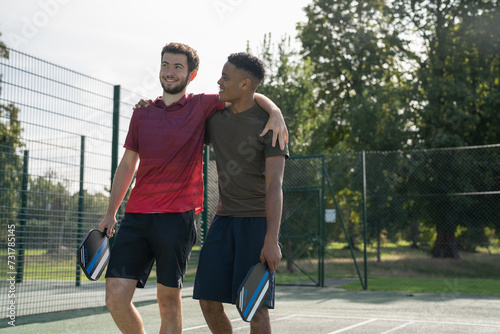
210	306
261	321
169	299
119	292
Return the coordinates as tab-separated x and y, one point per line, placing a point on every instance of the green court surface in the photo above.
307	310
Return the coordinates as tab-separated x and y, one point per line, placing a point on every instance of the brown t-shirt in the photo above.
240	154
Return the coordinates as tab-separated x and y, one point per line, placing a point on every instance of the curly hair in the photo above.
179	48
247	62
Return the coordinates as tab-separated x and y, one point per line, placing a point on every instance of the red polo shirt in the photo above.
169	141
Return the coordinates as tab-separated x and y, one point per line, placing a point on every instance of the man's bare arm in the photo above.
271	252
123	177
276	122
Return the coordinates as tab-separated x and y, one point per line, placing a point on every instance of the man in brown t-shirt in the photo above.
250	174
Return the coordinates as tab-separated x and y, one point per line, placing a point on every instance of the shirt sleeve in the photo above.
271	151
212	103
132	139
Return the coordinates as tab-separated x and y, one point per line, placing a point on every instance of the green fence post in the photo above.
115	140
22	219
322	225
363	163
116	131
81	204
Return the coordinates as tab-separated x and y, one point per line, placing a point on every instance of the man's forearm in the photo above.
121	182
274	208
267	104
118	191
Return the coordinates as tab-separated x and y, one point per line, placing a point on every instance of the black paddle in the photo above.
252	291
93	254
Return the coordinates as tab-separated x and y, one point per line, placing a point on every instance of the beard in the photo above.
175	89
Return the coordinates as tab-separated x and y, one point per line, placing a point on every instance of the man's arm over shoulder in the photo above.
276	121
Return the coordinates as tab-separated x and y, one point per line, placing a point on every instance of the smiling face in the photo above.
174	76
230	83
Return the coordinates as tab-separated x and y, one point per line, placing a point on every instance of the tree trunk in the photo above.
446	245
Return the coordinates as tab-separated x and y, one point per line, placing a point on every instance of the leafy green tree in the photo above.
10	162
458	71
359	60
4	52
290	84
457	101
364	89
409	74
49	204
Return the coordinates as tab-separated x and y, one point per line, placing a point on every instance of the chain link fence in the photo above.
399	214
346	217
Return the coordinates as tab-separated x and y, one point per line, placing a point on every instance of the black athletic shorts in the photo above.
232	246
143	238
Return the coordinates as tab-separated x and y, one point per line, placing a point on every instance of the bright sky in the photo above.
120	41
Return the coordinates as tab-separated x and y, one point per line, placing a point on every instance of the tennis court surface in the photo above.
307	310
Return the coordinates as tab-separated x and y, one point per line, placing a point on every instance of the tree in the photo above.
409	74
10	162
49	204
359	61
364	89
289	82
458	71
458	96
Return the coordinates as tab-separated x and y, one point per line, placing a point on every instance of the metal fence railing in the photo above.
364	215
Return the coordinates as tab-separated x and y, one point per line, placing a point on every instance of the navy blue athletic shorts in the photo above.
232	246
143	238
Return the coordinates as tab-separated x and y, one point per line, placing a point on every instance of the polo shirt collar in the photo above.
176	105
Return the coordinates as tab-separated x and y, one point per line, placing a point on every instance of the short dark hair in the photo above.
179	48
251	64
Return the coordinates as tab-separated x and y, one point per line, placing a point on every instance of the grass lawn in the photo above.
439	285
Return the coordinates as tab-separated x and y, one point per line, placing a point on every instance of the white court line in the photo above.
272	321
397	328
285	317
206	326
193	328
400	320
237	320
353	326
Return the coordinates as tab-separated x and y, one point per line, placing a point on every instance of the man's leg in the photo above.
119	293
216	317
170	303
261	324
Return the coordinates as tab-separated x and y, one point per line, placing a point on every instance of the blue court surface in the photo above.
307	310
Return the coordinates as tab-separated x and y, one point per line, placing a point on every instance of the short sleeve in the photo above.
212	104
132	139
271	151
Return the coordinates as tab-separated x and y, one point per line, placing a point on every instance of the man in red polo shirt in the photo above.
166	139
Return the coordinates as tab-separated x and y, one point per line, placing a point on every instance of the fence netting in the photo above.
54	180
